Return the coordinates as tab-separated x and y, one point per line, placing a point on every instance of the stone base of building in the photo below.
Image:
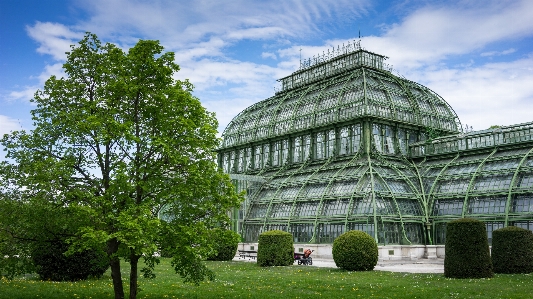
386	253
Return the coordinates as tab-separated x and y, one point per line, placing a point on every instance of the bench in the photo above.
252	254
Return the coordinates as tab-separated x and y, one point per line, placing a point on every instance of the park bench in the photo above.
251	254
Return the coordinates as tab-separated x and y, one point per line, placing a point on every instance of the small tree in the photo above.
355	251
512	250
124	140
467	250
275	249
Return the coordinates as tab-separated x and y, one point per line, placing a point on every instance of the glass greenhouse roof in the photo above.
347	87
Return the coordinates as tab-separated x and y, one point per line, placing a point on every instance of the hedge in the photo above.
467	250
512	250
275	248
355	251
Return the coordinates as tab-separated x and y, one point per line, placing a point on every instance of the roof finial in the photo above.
300	57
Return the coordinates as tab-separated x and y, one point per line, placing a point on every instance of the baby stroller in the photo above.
304	258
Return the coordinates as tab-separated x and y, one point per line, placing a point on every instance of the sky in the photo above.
476	54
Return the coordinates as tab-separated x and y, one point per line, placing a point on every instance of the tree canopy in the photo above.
122	142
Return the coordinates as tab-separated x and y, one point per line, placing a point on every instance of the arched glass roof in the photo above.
350	93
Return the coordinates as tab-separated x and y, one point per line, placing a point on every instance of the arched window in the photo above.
306	147
266	154
319	145
330	144
297	150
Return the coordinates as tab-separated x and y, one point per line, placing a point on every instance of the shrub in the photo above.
512	250
225	244
355	251
467	250
275	249
52	264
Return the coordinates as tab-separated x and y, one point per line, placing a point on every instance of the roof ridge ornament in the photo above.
350	47
335	61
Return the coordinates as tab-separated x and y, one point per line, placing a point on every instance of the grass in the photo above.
247	280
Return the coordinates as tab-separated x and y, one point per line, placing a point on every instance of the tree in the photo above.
123	141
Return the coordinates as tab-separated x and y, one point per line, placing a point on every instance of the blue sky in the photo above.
478	55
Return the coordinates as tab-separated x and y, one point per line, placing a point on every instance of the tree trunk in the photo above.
134	260
114	262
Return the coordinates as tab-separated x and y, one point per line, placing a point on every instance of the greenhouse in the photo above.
346	144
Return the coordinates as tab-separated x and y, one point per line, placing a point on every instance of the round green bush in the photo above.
355	251
225	244
275	248
467	250
51	264
512	250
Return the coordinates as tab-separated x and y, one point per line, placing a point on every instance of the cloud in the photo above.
496	53
226	109
179	24
434	33
207	73
27	92
492	94
54	39
269	55
7	125
228	87
258	33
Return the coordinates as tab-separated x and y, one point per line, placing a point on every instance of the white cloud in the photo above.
181	23
496	53
27	93
228	87
258	33
227	109
54	39
208	73
55	69
7	125
269	55
434	33
492	94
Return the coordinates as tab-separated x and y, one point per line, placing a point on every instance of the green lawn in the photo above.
247	280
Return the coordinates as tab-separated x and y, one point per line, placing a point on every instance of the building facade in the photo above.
345	144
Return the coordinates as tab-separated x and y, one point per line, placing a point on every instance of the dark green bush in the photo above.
52	264
225	244
275	249
467	250
512	250
355	251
